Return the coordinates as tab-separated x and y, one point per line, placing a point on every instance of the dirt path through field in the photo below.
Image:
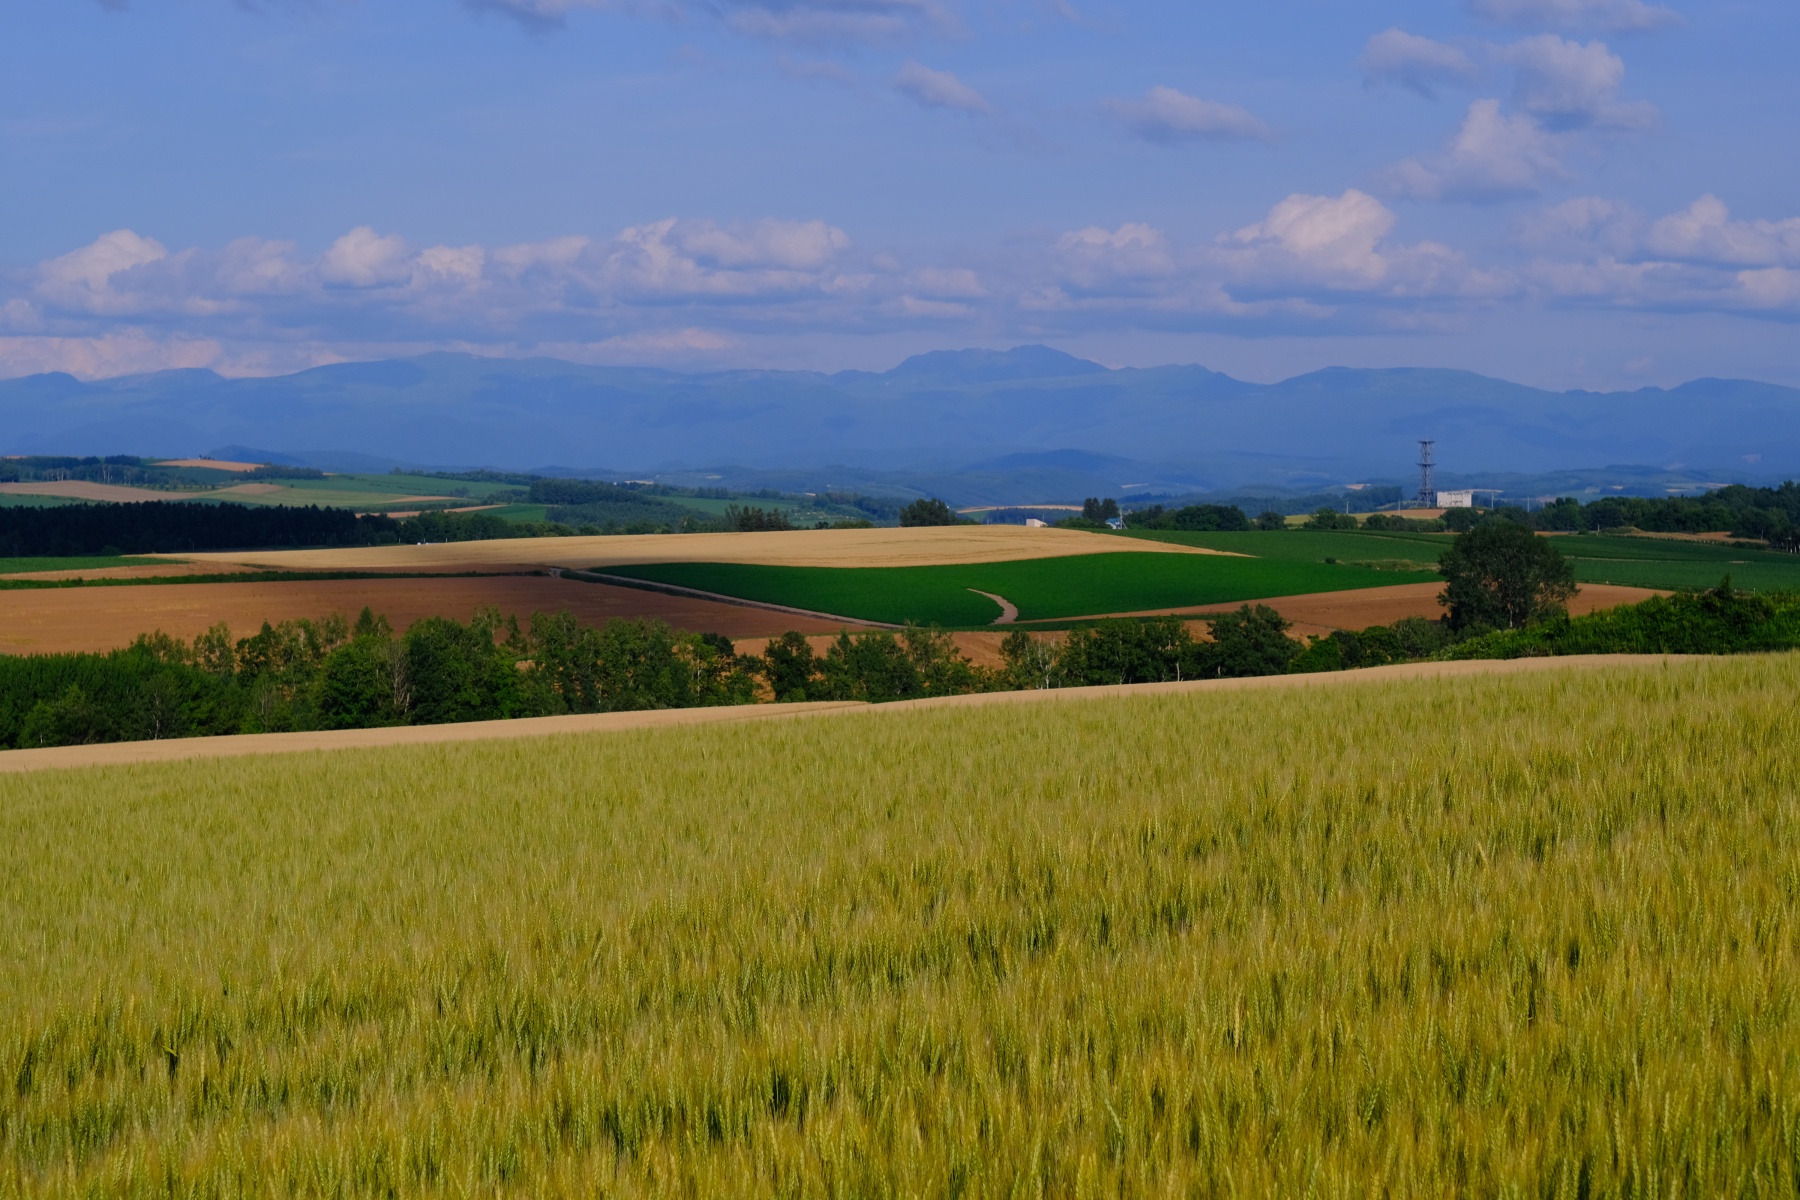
60	620
185	749
1009	612
799	548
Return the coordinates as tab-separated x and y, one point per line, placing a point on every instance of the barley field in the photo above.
1528	935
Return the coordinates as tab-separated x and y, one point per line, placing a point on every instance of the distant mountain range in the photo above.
1022	420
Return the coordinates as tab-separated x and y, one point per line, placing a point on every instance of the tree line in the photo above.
1770	514
335	674
174	528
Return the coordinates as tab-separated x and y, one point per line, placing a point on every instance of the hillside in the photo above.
1188	427
1066	949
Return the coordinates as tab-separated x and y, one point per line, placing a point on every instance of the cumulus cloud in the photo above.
1570	85
1705	232
678	290
1415	62
1493	156
82	279
1609	15
363	258
1598	251
1167	116
939	89
1094	257
1580	225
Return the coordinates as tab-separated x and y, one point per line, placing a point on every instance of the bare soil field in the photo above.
59	620
123	753
1317	615
801	548
81	489
1323	613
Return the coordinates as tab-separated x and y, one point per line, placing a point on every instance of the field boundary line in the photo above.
673	589
246	744
240	745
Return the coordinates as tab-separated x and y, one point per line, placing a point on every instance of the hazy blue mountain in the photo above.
1182	427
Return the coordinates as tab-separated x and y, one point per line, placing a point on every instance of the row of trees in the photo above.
1771	514
334	674
1762	514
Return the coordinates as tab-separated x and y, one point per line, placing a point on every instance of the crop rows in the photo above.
1532	935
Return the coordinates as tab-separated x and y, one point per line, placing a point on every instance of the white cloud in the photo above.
122	352
1597	251
1568	84
1094	256
1493	156
1611	15
1580	226
363	258
1419	63
680	290
939	89
1167	116
1325	237
82	279
1705	232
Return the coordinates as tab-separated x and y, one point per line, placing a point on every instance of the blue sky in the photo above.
1573	193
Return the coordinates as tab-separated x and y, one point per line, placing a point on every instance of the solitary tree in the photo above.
1506	577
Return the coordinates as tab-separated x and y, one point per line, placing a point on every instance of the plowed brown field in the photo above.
1322	613
56	620
802	548
1317	615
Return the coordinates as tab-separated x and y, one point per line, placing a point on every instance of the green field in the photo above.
1634	561
19	566
1305	545
1042	588
521	512
1525	936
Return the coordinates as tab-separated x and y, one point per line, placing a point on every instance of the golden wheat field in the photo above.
1525	935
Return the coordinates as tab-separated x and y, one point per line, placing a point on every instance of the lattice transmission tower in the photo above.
1427	490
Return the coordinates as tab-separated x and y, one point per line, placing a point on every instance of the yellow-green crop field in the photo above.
1533	935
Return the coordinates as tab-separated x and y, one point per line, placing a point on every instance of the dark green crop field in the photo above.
1631	561
1305	545
1042	588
